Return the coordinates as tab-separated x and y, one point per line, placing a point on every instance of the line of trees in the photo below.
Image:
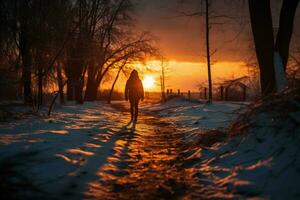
268	52
69	44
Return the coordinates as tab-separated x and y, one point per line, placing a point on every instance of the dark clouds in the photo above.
182	38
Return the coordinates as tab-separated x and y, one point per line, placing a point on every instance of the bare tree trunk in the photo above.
208	51
75	89
79	88
40	75
26	76
24	44
113	85
78	93
70	90
286	23
60	85
262	28
40	87
76	71
91	85
91	92
163	95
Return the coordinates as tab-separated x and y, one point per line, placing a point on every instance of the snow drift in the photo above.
261	156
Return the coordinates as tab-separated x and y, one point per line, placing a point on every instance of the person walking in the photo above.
134	92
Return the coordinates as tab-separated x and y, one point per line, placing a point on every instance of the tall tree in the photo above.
121	68
163	80
208	16
285	31
207	27
262	28
64	39
78	49
116	42
25	46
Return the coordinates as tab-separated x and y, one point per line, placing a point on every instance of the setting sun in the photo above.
148	82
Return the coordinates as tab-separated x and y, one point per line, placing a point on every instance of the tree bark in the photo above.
70	90
208	52
91	91
60	85
113	85
91	85
40	87
26	75
262	28
163	95
284	35
24	44
79	84
78	89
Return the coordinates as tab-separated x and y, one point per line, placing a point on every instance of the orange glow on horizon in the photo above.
184	75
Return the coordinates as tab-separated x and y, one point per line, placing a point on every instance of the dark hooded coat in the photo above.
134	90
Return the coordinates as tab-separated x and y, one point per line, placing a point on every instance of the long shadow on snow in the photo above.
88	173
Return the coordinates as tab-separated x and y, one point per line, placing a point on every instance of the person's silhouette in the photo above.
134	91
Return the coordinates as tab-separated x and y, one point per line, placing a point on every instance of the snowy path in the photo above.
147	164
90	152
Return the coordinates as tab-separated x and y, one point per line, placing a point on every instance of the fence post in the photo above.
205	95
178	92
226	93
168	92
189	94
222	92
244	93
171	91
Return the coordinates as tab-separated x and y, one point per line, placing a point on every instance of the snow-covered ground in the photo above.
52	152
263	160
80	148
193	114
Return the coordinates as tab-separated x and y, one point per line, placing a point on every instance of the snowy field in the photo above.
196	114
80	150
263	162
51	152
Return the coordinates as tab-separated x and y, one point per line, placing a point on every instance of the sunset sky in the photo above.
182	41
